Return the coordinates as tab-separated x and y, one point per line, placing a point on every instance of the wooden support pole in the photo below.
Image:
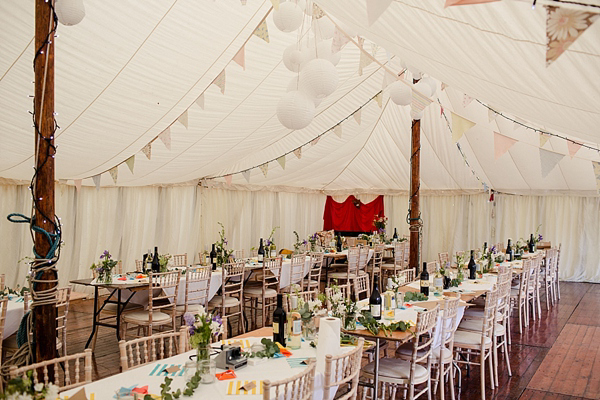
415	185
44	316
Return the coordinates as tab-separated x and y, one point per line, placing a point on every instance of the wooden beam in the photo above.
415	185
44	316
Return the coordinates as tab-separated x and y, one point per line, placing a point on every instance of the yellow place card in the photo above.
244	344
236	387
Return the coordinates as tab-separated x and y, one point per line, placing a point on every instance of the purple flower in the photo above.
304	241
217	318
381	230
99	269
268	242
225	241
189	319
540	238
493	249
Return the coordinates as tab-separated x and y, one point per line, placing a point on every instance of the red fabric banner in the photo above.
351	215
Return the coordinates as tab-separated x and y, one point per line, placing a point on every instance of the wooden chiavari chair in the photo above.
141	351
263	294
197	288
231	301
297	387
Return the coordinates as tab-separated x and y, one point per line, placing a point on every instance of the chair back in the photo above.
432	267
351	241
410	275
137	352
297	268
443	258
343	370
361	287
297	387
271	273
139	265
233	282
399	255
449	323
353	259
197	285
535	273
2	281
63	296
361	242
489	315
503	309
306	296
377	259
66	369
363	256
329	292
422	343
179	260
163	301
504	274
314	274
3	305
239	254
525	276
406	252
544	245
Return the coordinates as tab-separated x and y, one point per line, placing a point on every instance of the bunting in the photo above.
130	162
563	27
220	82
165	137
379	99
275	4
96	179
281	161
200	101
147	150
264	168
228	179
358	115
444	85
338	130
339	40
543	138
315	141
419	101
466	2
548	160
365	60
240	58
573	148
388	78
298	153
262	31
459	126
491	115
375	8
183	118
246	175
114	172
374	49
466	100
77	184
596	166
502	144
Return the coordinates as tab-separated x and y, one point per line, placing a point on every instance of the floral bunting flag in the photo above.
315	141
262	31
228	179
502	144
183	118
220	81
77	184
338	130
563	27
543	138
165	137
264	168
114	172
491	115
275	4
298	152
357	115
200	101
459	126
444	85
375	8
147	150
465	2
365	60
573	148
130	162
467	100
240	57
281	161
596	166
548	160
246	175
379	99
96	179
339	40
374	49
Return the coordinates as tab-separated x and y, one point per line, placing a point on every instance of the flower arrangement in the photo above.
380	222
336	299
489	256
104	268
299	243
204	327
312	239
397	281
223	253
19	291
22	388
163	261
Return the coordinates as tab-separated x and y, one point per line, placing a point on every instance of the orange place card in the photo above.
141	390
229	374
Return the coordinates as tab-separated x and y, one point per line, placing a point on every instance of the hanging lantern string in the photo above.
536	129
302	145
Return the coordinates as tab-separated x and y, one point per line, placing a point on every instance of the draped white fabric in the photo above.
128	221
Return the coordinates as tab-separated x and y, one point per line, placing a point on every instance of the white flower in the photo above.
314	305
201	312
51	391
215	327
565	22
38	387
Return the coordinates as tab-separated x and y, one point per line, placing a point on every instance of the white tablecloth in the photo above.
273	369
14	313
466	286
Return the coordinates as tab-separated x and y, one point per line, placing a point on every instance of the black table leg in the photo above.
95	320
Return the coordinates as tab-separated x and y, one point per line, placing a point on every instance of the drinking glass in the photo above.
190	370
207	369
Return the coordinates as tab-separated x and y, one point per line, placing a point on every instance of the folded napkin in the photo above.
235	388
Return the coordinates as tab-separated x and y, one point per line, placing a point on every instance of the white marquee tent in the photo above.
133	70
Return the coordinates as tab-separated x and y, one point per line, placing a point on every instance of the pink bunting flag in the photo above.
564	26
375	8
441	111
502	144
339	40
77	184
220	82
444	85
228	179
315	141
467	100
240	57
298	152
165	137
183	118
573	148
466	2
147	150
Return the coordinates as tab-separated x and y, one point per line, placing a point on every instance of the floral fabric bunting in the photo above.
563	27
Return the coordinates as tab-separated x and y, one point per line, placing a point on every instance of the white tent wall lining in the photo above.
183	219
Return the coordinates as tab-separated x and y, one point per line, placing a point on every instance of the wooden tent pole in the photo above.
415	185
44	315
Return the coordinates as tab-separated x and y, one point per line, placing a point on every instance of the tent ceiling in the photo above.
131	68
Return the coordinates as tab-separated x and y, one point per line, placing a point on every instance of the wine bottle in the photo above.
472	266
273	250
425	280
213	258
279	321
295	338
531	244
484	248
438	281
338	242
395	237
155	262
261	251
510	253
148	266
375	300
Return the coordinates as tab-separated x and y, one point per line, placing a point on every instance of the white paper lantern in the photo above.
300	3
319	78
415	114
431	82
292	58
69	12
323	28
320	50
288	18
423	88
295	110
416	73
400	93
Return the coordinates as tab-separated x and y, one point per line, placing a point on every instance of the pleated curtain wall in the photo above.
128	221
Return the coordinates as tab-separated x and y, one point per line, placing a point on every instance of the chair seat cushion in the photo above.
469	338
112	308
397	371
136	317
475	326
406	351
256	291
229	301
341	275
478	313
192	308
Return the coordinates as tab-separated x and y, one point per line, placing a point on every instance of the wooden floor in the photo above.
558	357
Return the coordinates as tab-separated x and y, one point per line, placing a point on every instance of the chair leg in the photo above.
482	376
495	360
491	365
507	357
451	376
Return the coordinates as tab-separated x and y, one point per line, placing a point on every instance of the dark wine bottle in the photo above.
148	265
338	242
213	258
395	237
375	300
155	262
261	251
531	244
510	253
144	258
484	248
279	321
472	266
425	280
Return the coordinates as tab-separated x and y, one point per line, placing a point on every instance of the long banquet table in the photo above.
15	309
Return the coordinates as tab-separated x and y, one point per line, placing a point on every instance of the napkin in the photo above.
235	388
124	391
296	362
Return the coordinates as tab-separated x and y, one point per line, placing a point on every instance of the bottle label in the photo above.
297	327
376	310
424	283
275	328
438	282
260	257
273	253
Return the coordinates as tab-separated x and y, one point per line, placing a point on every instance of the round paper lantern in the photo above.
69	12
417	115
431	82
288	18
323	28
320	50
319	78
300	3
292	58
416	73
295	110
400	93
423	88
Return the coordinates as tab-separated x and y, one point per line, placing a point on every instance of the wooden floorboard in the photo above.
557	357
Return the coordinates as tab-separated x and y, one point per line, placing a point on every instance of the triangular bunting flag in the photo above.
183	118
246	175
388	79
165	137
244	2
338	130
96	179
502	144
467	100
315	141
63	181
147	150
491	115
339	40
444	85
114	172
130	162
543	138
240	57
228	179
419	101
357	115
563	26
262	31
379	99
441	111
596	166
275	4
281	161
516	125
220	81
459	126
298	152
573	148
200	101
466	2
548	160
375	8
374	49
77	184
264	168
365	60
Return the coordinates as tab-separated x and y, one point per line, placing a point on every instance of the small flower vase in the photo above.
399	299
105	277
203	352
309	329
349	323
